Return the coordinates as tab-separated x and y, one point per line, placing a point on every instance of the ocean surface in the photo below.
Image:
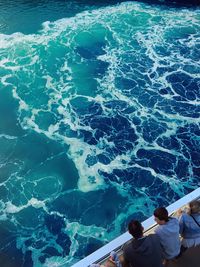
99	121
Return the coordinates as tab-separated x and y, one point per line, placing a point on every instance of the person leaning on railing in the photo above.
190	225
142	251
168	233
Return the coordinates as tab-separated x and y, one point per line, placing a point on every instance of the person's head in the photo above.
194	206
161	215
135	228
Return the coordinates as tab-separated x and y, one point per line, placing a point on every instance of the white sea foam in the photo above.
11	208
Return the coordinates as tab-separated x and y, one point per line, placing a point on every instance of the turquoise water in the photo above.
99	122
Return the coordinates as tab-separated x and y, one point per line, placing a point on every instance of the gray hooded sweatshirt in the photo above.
169	238
144	252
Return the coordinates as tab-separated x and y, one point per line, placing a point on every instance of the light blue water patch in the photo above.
99	123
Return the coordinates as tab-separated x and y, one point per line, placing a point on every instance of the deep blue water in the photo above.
99	121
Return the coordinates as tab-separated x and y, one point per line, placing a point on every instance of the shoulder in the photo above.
127	246
196	215
158	229
154	237
172	220
184	217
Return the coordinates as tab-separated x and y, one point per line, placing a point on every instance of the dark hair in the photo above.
162	214
195	206
135	229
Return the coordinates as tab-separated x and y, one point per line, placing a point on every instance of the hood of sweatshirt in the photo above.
170	228
143	246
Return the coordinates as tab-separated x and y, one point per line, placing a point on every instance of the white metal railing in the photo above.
115	244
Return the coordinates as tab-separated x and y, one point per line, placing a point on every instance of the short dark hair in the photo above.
162	214
135	229
195	206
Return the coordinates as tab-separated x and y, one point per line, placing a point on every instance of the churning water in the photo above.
99	122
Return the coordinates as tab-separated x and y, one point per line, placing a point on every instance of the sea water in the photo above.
99	122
